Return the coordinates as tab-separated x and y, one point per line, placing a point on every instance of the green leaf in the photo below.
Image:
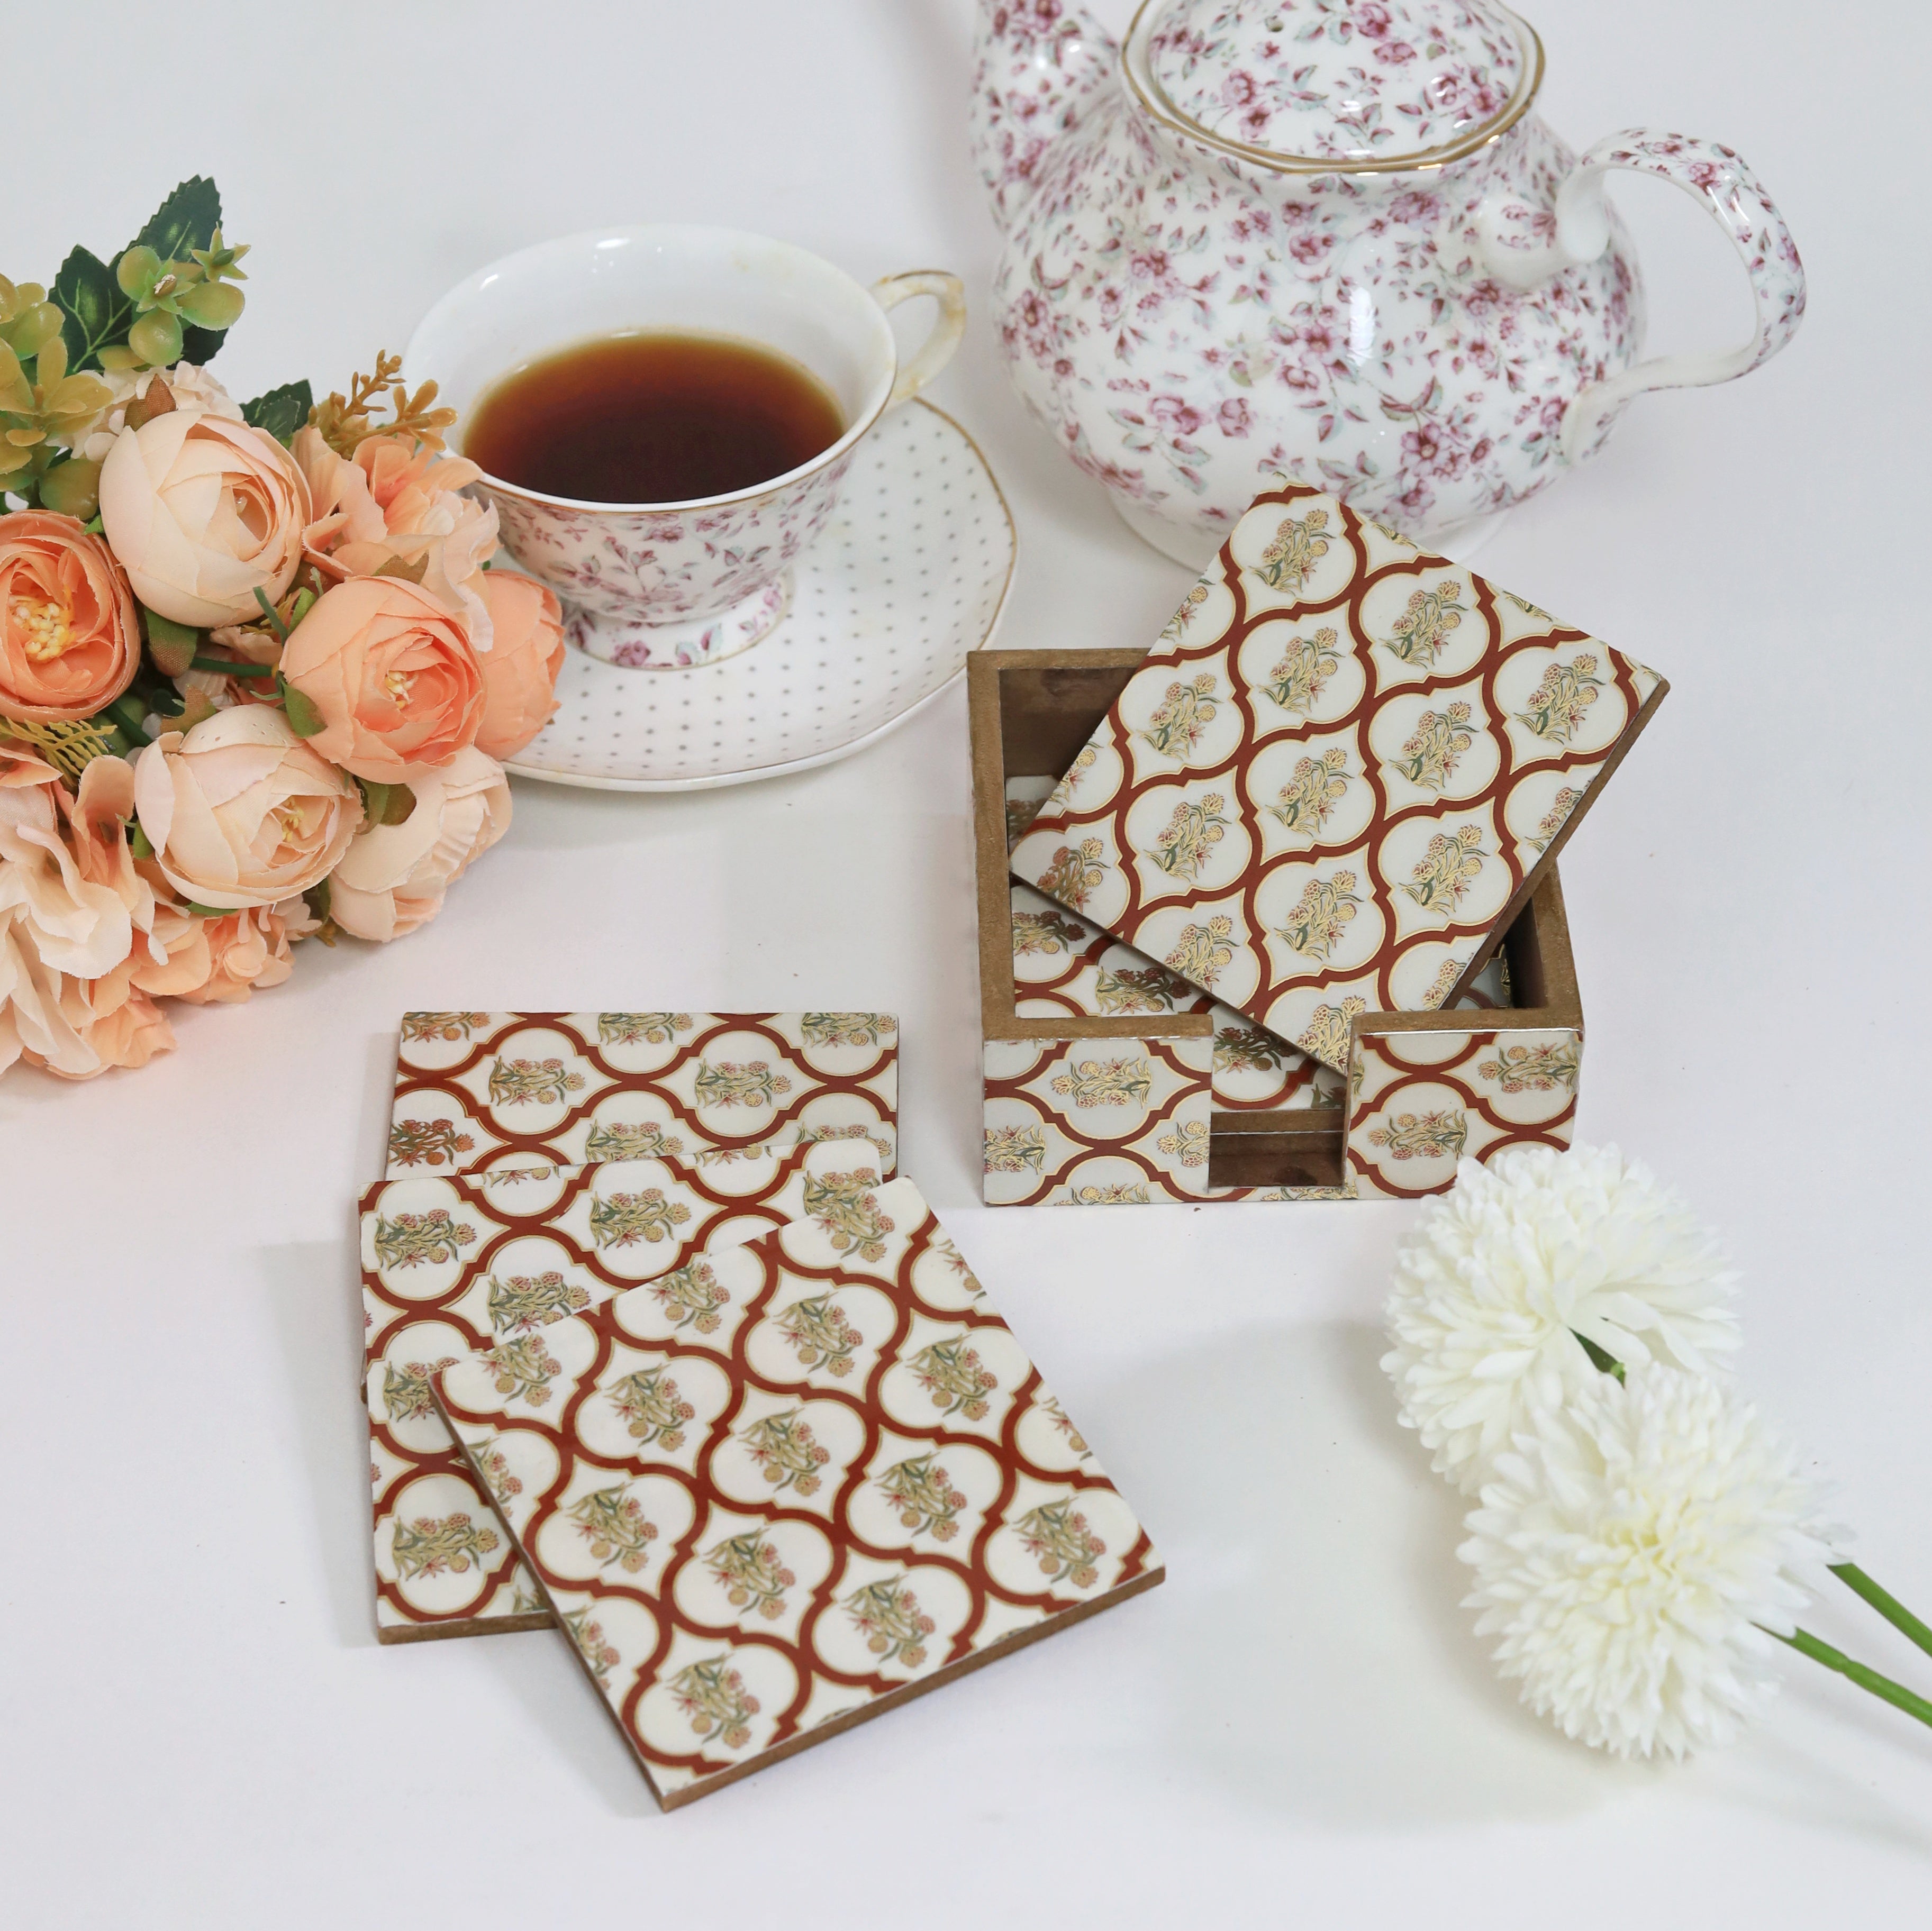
304	720
317	899
186	220
97	315
200	346
280	411
202	911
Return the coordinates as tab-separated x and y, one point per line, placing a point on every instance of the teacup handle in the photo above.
1735	199
936	351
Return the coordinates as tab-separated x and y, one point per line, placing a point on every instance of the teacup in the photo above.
666	585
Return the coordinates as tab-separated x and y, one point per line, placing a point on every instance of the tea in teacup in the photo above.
653	417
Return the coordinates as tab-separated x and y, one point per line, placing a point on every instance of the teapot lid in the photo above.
1330	85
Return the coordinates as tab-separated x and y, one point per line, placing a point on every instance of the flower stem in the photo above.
1896	1694
1888	1606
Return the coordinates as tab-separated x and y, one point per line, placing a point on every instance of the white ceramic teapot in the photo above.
1328	236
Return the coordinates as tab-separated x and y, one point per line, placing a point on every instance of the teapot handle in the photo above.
936	351
1712	174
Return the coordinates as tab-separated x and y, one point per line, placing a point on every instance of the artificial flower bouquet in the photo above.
257	673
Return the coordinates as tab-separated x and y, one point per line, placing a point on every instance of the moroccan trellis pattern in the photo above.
1337	776
1423	1100
491	1262
478	1089
829	1529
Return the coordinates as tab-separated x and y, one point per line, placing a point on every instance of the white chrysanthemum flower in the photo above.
1505	1272
1632	1550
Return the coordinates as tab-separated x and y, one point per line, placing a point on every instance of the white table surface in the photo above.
196	1725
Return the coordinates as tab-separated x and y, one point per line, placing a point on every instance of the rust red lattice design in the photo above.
1337	776
477	1090
852	1488
489	1261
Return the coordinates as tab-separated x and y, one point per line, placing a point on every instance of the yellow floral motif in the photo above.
631	1029
447	1025
713	1695
1529	610
846	1207
1021	812
598	1656
846	1029
1327	1037
493	1465
693	1294
888	1617
1289	561
821	1334
1248	1049
942	1245
728	1082
1181	716
1558	704
1304	670
523	1367
1138	989
1122	1082
1314	788
524	1302
620	1140
427	1143
431	1544
1073	876
623	1219
1115	1193
405	1396
412	1239
1012	1149
1447	974
1442	874
1062	1421
1202	953
923	1493
1190	608
783	1446
751	1571
1194	830
1534	1069
1424	1136
952	1374
532	1082
1561	806
1324	910
1061	796
1440	737
648	1400
614	1525
1186	1142
1425	624
1056	1535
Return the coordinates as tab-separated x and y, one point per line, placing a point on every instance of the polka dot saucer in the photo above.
910	575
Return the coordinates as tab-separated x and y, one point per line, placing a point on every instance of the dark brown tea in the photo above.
652	418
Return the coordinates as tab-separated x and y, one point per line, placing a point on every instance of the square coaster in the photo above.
481	1090
454	1263
852	1488
1338	777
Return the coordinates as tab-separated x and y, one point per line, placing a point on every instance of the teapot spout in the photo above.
1037	65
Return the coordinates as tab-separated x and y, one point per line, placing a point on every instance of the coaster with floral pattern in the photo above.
849	1487
489	1261
477	1090
1338	776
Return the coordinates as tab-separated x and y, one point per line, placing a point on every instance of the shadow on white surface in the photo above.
317	1313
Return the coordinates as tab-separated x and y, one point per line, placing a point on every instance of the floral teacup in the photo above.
665	586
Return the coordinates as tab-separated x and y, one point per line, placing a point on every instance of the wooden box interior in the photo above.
1032	711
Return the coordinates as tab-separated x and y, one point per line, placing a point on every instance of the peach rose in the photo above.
203	511
396	502
395	876
520	672
390	673
248	951
69	636
240	812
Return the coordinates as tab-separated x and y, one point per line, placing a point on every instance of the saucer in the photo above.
909	575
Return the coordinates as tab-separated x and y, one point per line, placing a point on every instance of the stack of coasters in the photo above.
734	1412
849	1487
1301	835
